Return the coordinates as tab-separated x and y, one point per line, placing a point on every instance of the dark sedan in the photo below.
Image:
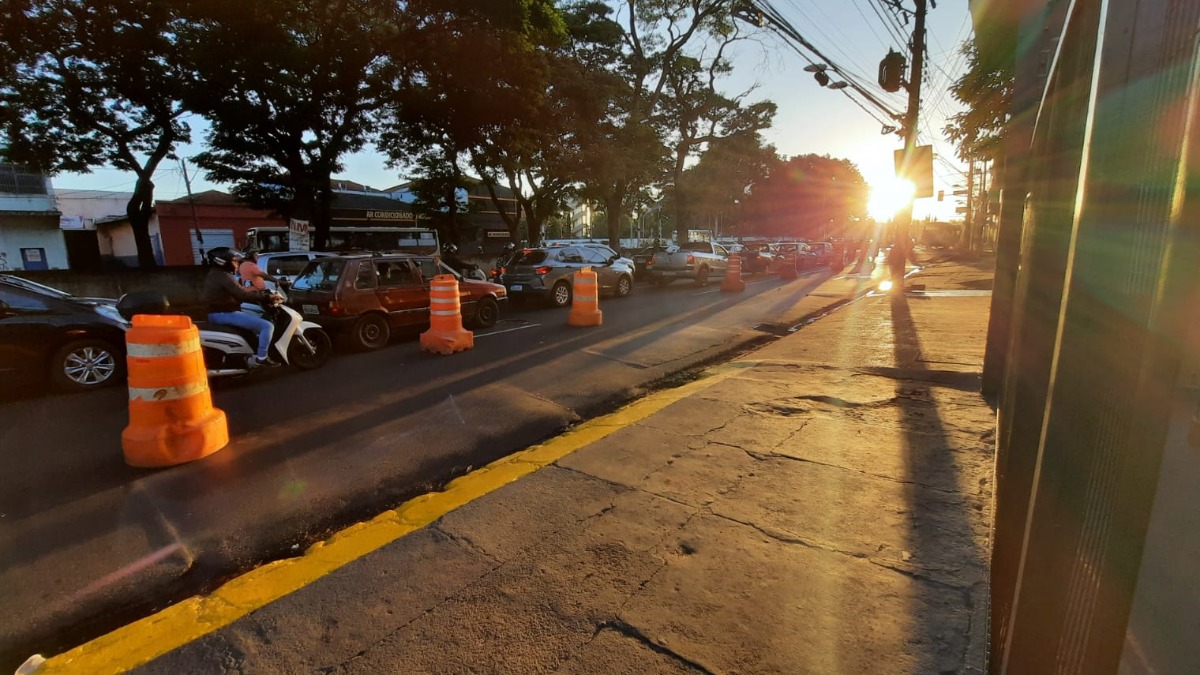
45	334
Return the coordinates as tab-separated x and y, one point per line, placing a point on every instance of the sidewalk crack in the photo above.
623	627
777	455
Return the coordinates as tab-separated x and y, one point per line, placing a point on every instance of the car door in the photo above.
401	292
566	262
723	262
29	329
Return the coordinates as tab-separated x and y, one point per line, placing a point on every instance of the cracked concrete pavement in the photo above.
824	510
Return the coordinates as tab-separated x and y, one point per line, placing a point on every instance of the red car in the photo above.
366	296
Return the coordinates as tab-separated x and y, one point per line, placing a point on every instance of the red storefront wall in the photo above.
177	224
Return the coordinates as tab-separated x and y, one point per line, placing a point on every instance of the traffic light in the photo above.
891	71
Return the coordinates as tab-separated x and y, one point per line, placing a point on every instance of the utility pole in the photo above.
187	183
969	220
911	116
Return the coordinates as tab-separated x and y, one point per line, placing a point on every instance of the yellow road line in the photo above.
146	639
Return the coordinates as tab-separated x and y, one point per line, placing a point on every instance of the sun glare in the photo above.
889	197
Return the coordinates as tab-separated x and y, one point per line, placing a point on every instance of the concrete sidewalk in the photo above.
821	505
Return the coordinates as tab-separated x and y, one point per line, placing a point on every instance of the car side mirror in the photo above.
613	259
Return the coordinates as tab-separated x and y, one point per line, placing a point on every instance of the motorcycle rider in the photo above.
468	270
225	297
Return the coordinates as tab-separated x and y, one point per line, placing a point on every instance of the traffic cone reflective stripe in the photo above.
733	275
585	300
446	334
171	418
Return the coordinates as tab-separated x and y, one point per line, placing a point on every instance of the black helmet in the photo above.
451	249
223	256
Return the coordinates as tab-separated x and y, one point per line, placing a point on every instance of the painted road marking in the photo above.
507	330
147	639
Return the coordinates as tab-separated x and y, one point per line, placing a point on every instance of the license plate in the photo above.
309	309
516	287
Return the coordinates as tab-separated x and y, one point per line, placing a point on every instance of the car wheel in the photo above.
83	365
624	286
560	295
702	276
487	312
312	355
371	332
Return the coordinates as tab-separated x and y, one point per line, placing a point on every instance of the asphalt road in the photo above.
86	543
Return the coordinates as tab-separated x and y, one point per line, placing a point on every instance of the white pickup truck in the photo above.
695	260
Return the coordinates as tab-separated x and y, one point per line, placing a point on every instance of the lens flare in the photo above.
889	197
885	285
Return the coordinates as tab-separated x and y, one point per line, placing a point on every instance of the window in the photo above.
570	255
320	275
595	256
289	265
394	273
429	268
366	276
17	299
16	179
534	257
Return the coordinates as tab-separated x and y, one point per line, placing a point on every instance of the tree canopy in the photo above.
88	83
810	197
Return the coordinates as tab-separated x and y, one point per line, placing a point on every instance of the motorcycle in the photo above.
464	269
228	351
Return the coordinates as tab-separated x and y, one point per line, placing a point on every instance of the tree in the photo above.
986	89
701	116
89	83
290	87
631	151
446	115
810	197
725	178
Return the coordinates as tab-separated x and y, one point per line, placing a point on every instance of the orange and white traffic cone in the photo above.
585	300
733	275
446	334
171	418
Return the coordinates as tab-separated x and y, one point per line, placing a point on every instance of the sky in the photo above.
810	119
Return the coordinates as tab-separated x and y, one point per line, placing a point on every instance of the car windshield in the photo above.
35	287
320	275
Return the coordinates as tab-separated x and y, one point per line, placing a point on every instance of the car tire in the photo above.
624	286
487	313
83	365
560	294
702	276
370	332
322	349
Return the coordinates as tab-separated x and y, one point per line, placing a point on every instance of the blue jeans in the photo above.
248	322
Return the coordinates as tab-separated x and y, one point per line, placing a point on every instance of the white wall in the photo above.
17	232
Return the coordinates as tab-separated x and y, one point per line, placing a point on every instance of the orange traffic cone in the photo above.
733	275
585	300
171	418
446	334
789	267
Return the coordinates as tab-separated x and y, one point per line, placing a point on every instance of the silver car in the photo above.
547	273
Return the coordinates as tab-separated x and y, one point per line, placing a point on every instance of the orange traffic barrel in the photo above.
789	267
446	334
733	275
171	417
585	303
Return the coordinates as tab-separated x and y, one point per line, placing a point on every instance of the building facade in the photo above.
30	238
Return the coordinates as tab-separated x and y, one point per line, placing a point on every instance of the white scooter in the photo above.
228	351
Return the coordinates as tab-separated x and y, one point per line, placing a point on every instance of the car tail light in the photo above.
542	271
334	308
